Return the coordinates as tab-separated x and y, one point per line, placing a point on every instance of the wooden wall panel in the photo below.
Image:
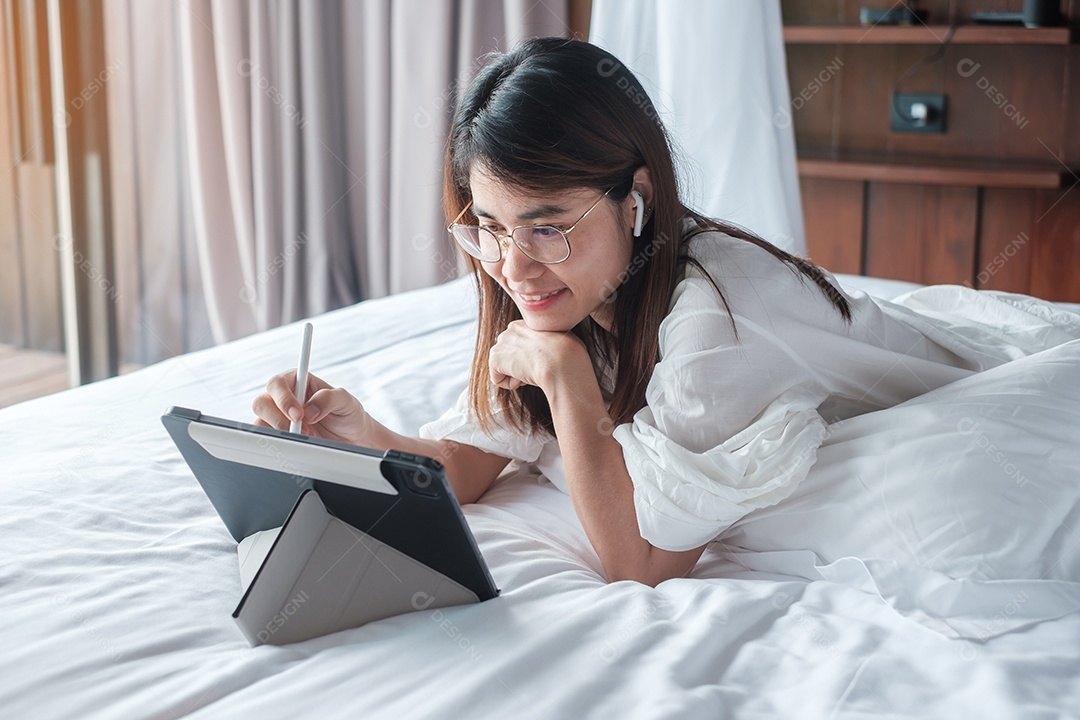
1006	240
1030	243
1032	103
814	73
973	127
1055	259
833	215
1071	116
921	233
862	119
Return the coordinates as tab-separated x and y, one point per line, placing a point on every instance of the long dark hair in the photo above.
557	114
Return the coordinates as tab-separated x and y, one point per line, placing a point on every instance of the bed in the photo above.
119	579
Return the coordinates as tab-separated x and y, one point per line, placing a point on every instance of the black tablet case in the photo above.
356	528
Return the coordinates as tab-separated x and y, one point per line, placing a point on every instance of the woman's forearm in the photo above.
602	491
599	484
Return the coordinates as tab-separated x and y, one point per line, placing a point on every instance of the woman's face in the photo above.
555	297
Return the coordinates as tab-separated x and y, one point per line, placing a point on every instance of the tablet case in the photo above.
366	534
322	575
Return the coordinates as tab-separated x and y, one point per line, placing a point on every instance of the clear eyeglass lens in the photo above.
542	243
488	244
479	243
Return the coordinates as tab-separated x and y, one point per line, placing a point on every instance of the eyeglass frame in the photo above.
499	236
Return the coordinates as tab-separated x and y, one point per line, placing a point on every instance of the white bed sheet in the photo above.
118	581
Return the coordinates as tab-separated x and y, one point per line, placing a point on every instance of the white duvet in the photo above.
118	579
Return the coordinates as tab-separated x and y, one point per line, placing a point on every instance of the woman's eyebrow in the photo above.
542	211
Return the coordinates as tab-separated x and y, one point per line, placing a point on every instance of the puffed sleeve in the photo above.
459	424
730	424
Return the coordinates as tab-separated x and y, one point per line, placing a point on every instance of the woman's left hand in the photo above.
523	356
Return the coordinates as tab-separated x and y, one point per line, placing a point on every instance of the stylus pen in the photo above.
301	376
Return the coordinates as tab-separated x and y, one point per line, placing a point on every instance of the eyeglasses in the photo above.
545	244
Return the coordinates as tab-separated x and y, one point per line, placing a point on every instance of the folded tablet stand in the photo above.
322	575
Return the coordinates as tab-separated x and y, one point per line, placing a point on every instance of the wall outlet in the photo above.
917	113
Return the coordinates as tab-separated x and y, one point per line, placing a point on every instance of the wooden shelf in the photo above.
926	35
877	167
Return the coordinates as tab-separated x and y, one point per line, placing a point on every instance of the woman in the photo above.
686	367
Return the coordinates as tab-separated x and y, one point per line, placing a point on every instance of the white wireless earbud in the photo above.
639	211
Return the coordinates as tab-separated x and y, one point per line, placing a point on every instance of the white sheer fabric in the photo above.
716	71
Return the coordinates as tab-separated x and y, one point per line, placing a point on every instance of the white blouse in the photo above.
733	424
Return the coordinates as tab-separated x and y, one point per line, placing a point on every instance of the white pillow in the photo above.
960	507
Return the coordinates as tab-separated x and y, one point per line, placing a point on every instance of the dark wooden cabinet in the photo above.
993	202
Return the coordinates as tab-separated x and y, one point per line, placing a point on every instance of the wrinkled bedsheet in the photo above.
117	581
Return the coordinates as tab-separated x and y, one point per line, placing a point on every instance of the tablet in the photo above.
254	476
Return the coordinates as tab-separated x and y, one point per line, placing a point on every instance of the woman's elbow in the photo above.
655	567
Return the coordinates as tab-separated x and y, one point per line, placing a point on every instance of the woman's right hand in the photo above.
329	412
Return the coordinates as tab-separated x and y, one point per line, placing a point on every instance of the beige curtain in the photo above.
274	159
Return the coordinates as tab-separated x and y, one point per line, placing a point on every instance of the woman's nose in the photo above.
516	265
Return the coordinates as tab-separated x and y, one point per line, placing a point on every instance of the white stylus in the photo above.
301	376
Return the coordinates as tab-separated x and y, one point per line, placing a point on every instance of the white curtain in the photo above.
274	159
716	71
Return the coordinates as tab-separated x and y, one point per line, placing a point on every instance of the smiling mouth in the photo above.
538	298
